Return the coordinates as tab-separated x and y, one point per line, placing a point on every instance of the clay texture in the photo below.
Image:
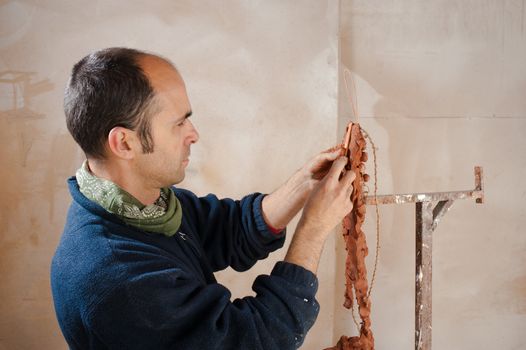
356	273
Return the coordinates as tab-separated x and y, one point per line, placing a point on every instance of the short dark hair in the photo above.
108	88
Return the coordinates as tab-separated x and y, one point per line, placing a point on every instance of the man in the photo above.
134	268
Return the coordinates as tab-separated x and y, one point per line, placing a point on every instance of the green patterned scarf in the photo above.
164	216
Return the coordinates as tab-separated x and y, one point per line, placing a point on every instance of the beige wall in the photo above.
262	79
441	87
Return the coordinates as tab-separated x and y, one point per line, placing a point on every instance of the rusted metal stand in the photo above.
430	208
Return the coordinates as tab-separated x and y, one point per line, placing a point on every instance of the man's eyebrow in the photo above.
187	115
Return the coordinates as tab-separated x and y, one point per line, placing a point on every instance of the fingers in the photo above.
326	156
336	148
330	154
348	191
336	168
346	182
348	178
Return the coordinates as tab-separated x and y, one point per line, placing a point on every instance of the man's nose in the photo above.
194	135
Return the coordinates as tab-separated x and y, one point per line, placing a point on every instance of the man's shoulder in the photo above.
83	241
191	203
95	255
184	194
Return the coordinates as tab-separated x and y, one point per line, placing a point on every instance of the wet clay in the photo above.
355	270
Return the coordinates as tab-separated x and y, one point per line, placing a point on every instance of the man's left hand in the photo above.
284	203
317	167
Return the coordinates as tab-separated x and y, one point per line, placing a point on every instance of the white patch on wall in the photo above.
11	91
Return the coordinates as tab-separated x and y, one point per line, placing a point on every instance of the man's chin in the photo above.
178	180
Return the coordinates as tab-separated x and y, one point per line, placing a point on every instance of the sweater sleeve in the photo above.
232	232
164	308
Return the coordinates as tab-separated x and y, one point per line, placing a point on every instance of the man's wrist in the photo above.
301	183
274	229
282	205
305	248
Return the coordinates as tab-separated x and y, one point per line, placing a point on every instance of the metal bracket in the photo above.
430	208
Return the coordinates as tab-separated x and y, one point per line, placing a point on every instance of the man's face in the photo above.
172	132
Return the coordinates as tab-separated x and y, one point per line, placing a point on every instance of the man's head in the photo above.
128	107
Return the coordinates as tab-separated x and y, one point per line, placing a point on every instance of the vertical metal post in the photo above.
424	230
479	184
428	216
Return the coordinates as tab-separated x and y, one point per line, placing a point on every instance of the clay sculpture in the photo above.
355	270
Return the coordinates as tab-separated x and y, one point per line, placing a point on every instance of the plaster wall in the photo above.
441	87
262	80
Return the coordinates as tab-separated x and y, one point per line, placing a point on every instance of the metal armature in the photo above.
430	208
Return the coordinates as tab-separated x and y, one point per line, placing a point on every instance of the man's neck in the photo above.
122	178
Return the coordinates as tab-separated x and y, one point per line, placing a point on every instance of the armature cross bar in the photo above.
430	208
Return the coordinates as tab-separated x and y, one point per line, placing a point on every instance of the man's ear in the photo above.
122	142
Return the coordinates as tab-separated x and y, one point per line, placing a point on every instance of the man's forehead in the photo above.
170	90
161	73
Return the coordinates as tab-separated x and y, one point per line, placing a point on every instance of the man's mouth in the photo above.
187	159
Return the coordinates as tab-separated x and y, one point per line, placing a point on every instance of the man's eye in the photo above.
182	123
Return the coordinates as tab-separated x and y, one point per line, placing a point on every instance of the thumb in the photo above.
335	153
330	154
333	149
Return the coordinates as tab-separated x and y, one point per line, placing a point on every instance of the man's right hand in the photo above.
328	203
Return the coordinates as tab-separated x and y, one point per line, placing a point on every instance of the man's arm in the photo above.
229	232
157	304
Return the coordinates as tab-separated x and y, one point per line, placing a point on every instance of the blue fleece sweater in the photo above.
117	287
